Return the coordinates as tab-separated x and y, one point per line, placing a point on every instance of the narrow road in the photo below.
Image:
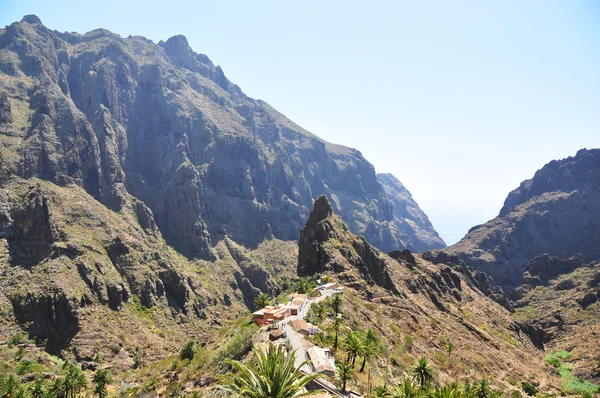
299	343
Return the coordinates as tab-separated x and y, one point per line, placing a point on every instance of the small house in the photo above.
305	328
270	313
297	303
321	361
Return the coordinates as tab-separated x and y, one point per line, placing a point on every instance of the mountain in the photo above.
562	297
406	297
413	306
557	212
408	216
125	116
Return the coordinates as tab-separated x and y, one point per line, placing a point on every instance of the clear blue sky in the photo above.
461	100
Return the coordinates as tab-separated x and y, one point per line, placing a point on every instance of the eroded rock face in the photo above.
477	279
52	316
544	268
158	121
557	212
311	257
324	234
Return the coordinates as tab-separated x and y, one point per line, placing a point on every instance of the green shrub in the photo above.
553	361
529	388
408	342
237	347
16	339
571	384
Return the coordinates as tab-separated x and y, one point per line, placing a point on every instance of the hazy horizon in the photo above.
460	102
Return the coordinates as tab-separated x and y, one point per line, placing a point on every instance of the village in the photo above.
286	325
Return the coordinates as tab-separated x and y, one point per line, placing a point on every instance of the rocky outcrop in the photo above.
409	219
311	255
544	268
69	266
534	333
326	246
121	116
51	316
557	212
27	227
476	279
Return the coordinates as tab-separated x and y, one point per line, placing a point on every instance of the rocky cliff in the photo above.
120	116
434	298
409	219
80	278
556	212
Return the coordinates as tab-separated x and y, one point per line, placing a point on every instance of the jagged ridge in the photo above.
162	123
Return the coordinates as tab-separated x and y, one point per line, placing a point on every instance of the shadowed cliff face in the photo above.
409	219
162	123
556	212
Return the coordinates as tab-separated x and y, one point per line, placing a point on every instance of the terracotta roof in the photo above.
299	324
320	360
298	299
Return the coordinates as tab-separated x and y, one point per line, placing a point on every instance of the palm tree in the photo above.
188	351
38	388
336	326
444	392
319	310
304	285
261	301
482	389
101	378
422	372
370	336
500	394
449	347
354	346
336	303
272	374
10	387
407	390
380	392
343	373
73	382
321	339
370	350
57	389
468	391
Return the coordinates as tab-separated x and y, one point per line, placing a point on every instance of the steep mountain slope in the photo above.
405	297
121	116
408	216
562	296
82	279
556	212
